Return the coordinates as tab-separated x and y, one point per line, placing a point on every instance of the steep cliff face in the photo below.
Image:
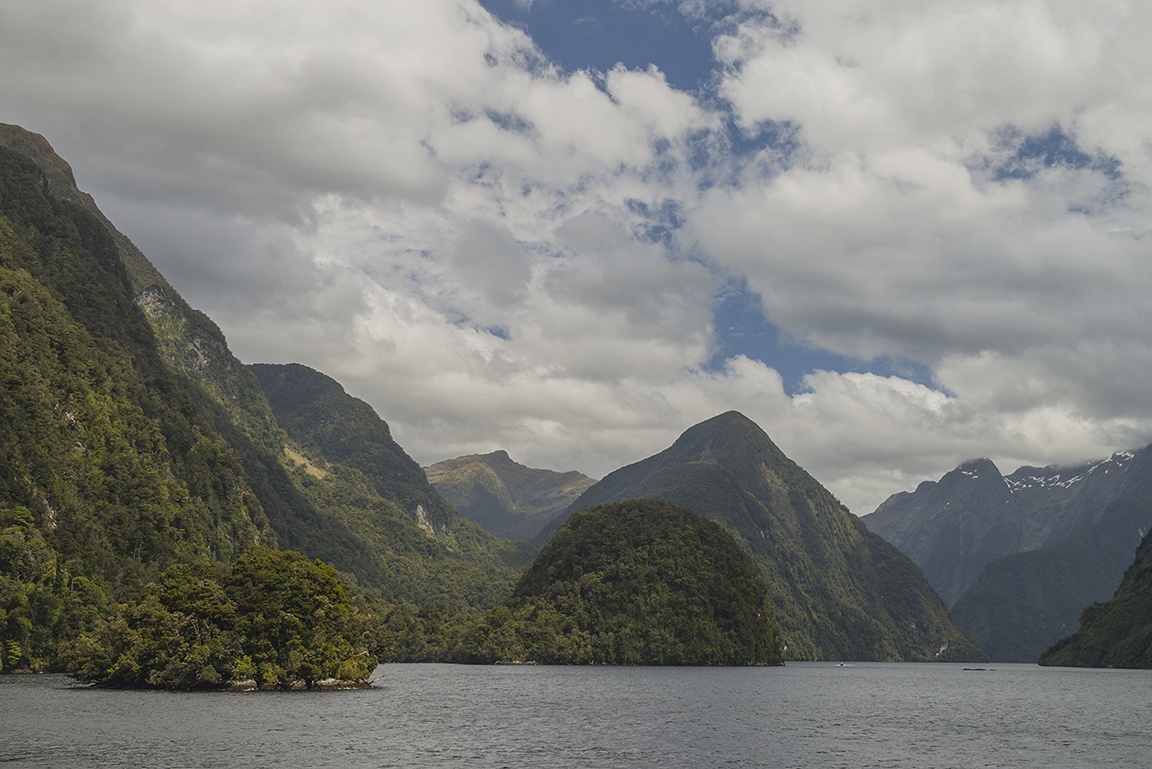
109	471
189	342
239	467
505	497
839	591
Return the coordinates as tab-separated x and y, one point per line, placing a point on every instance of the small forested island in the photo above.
633	583
275	620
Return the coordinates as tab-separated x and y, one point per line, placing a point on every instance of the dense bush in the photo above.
636	583
275	618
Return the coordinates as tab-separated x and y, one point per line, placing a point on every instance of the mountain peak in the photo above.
815	554
981	464
35	147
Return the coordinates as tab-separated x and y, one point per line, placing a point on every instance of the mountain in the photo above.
634	583
132	440
417	546
839	591
1021	555
1025	602
109	470
1118	632
954	527
189	342
506	498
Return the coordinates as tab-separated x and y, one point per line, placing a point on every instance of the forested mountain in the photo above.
506	498
133	440
634	583
1021	555
108	469
189	342
1118	632
349	466
839	591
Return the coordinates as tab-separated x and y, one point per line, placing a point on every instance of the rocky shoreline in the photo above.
299	685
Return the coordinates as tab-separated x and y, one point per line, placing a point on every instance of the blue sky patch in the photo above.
599	34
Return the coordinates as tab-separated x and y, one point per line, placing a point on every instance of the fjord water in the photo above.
802	715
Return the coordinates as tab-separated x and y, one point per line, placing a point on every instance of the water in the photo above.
803	715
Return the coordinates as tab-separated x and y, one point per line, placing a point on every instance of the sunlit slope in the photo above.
354	458
505	497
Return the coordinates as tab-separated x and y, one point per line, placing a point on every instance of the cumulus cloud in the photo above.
498	253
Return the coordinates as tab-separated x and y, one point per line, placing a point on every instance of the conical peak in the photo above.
727	425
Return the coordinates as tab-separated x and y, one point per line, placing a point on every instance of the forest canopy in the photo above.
275	619
636	583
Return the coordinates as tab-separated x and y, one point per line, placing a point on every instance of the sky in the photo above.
898	235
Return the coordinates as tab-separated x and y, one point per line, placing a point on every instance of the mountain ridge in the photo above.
192	377
1020	555
506	498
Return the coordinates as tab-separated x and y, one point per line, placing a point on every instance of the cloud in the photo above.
953	201
498	253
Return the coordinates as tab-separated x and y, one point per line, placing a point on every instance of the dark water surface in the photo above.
802	715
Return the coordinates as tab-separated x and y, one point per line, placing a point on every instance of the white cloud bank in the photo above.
497	254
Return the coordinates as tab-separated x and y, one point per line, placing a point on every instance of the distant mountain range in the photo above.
840	592
506	498
1017	557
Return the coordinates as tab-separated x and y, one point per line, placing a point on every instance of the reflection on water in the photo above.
802	715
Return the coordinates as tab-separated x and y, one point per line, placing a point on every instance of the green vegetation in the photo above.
275	618
634	583
1118	632
136	452
108	471
839	591
506	498
396	532
131	440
